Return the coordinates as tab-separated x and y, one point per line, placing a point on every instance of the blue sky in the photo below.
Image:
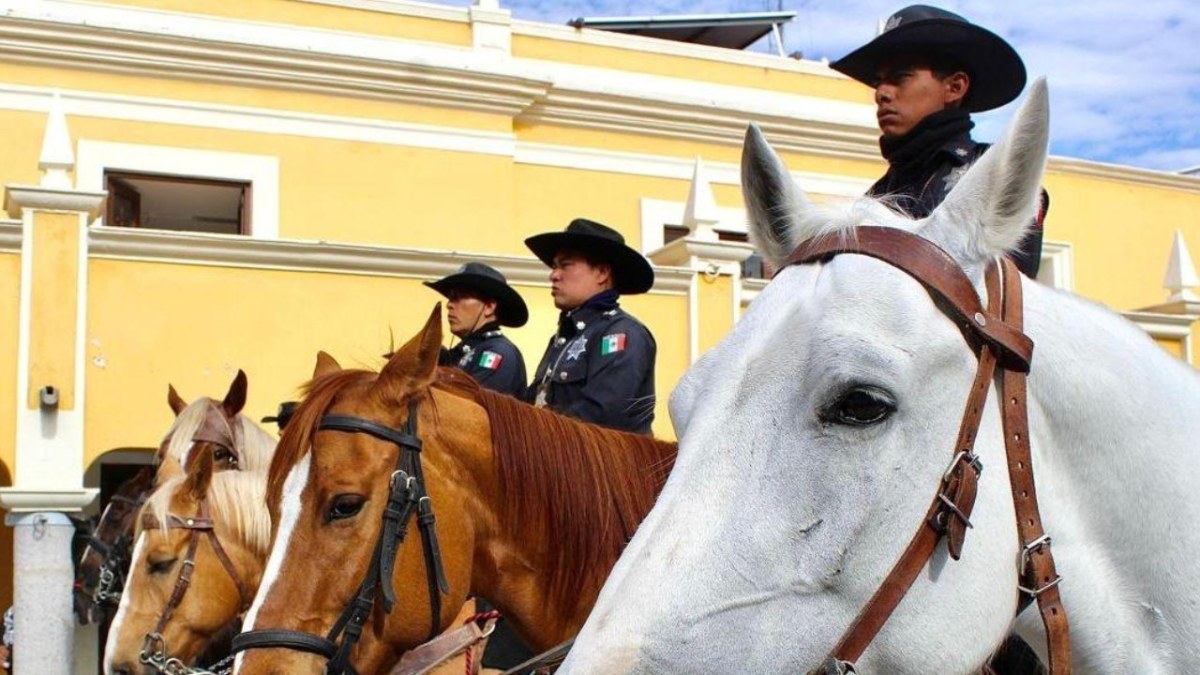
1124	76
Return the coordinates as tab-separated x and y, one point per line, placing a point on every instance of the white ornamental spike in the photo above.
1181	273
700	215
57	157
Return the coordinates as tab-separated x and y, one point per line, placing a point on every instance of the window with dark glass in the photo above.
180	203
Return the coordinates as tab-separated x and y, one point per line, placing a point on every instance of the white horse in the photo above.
813	438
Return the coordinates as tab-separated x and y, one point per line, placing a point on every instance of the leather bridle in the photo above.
996	335
201	526
110	582
407	497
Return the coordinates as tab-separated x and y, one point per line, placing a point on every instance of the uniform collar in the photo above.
603	303
486	332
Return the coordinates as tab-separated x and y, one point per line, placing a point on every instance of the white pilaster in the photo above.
491	27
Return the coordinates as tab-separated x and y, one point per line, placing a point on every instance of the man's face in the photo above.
573	279
467	311
908	91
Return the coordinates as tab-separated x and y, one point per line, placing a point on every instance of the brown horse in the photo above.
533	510
202	540
205	424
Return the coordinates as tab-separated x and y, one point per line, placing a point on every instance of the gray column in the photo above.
42	579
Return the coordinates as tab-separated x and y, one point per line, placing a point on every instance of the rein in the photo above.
996	336
154	647
407	497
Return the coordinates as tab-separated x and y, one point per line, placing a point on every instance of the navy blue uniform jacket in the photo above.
599	367
490	359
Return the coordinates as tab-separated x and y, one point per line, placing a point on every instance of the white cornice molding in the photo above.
20	197
315	256
10	236
176	45
1126	174
751	288
603	38
25	500
701	255
620	101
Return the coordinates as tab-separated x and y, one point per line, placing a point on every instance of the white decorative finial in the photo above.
1181	273
701	215
57	156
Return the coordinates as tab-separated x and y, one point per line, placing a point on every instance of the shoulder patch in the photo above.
611	344
490	360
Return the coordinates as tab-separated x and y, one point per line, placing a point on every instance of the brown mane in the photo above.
575	492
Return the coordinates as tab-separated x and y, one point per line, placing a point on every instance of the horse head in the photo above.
218	426
101	566
533	509
812	439
359	473
201	544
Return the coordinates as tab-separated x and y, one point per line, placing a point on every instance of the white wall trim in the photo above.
78	103
1057	268
658	213
10	236
750	290
312	256
150	42
261	171
1166	327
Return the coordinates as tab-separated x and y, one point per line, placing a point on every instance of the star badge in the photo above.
466	357
577	348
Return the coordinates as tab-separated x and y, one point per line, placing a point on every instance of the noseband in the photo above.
996	336
154	647
407	497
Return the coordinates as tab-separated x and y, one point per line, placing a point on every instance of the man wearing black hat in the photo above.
480	301
599	365
930	70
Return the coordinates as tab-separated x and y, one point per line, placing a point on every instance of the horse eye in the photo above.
161	566
860	407
224	455
344	506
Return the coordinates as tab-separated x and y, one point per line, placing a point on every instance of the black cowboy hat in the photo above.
286	410
490	283
632	273
997	72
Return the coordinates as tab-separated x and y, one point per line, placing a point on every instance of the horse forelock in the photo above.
573	490
185	426
297	439
235	498
258	446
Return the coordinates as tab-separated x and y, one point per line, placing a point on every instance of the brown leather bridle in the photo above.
996	336
154	647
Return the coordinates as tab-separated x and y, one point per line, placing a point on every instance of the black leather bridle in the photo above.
407	497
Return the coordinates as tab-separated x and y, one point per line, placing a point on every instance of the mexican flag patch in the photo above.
490	360
611	344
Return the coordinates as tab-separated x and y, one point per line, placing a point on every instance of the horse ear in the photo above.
235	399
994	203
175	400
326	364
413	365
199	473
774	202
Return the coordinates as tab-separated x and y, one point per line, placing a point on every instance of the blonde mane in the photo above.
186	424
236	500
258	445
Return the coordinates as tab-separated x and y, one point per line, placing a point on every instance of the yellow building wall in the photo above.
715	302
194	326
324	17
10	304
1173	347
1120	234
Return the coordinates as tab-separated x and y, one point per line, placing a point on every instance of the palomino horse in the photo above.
532	511
813	437
201	544
235	440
